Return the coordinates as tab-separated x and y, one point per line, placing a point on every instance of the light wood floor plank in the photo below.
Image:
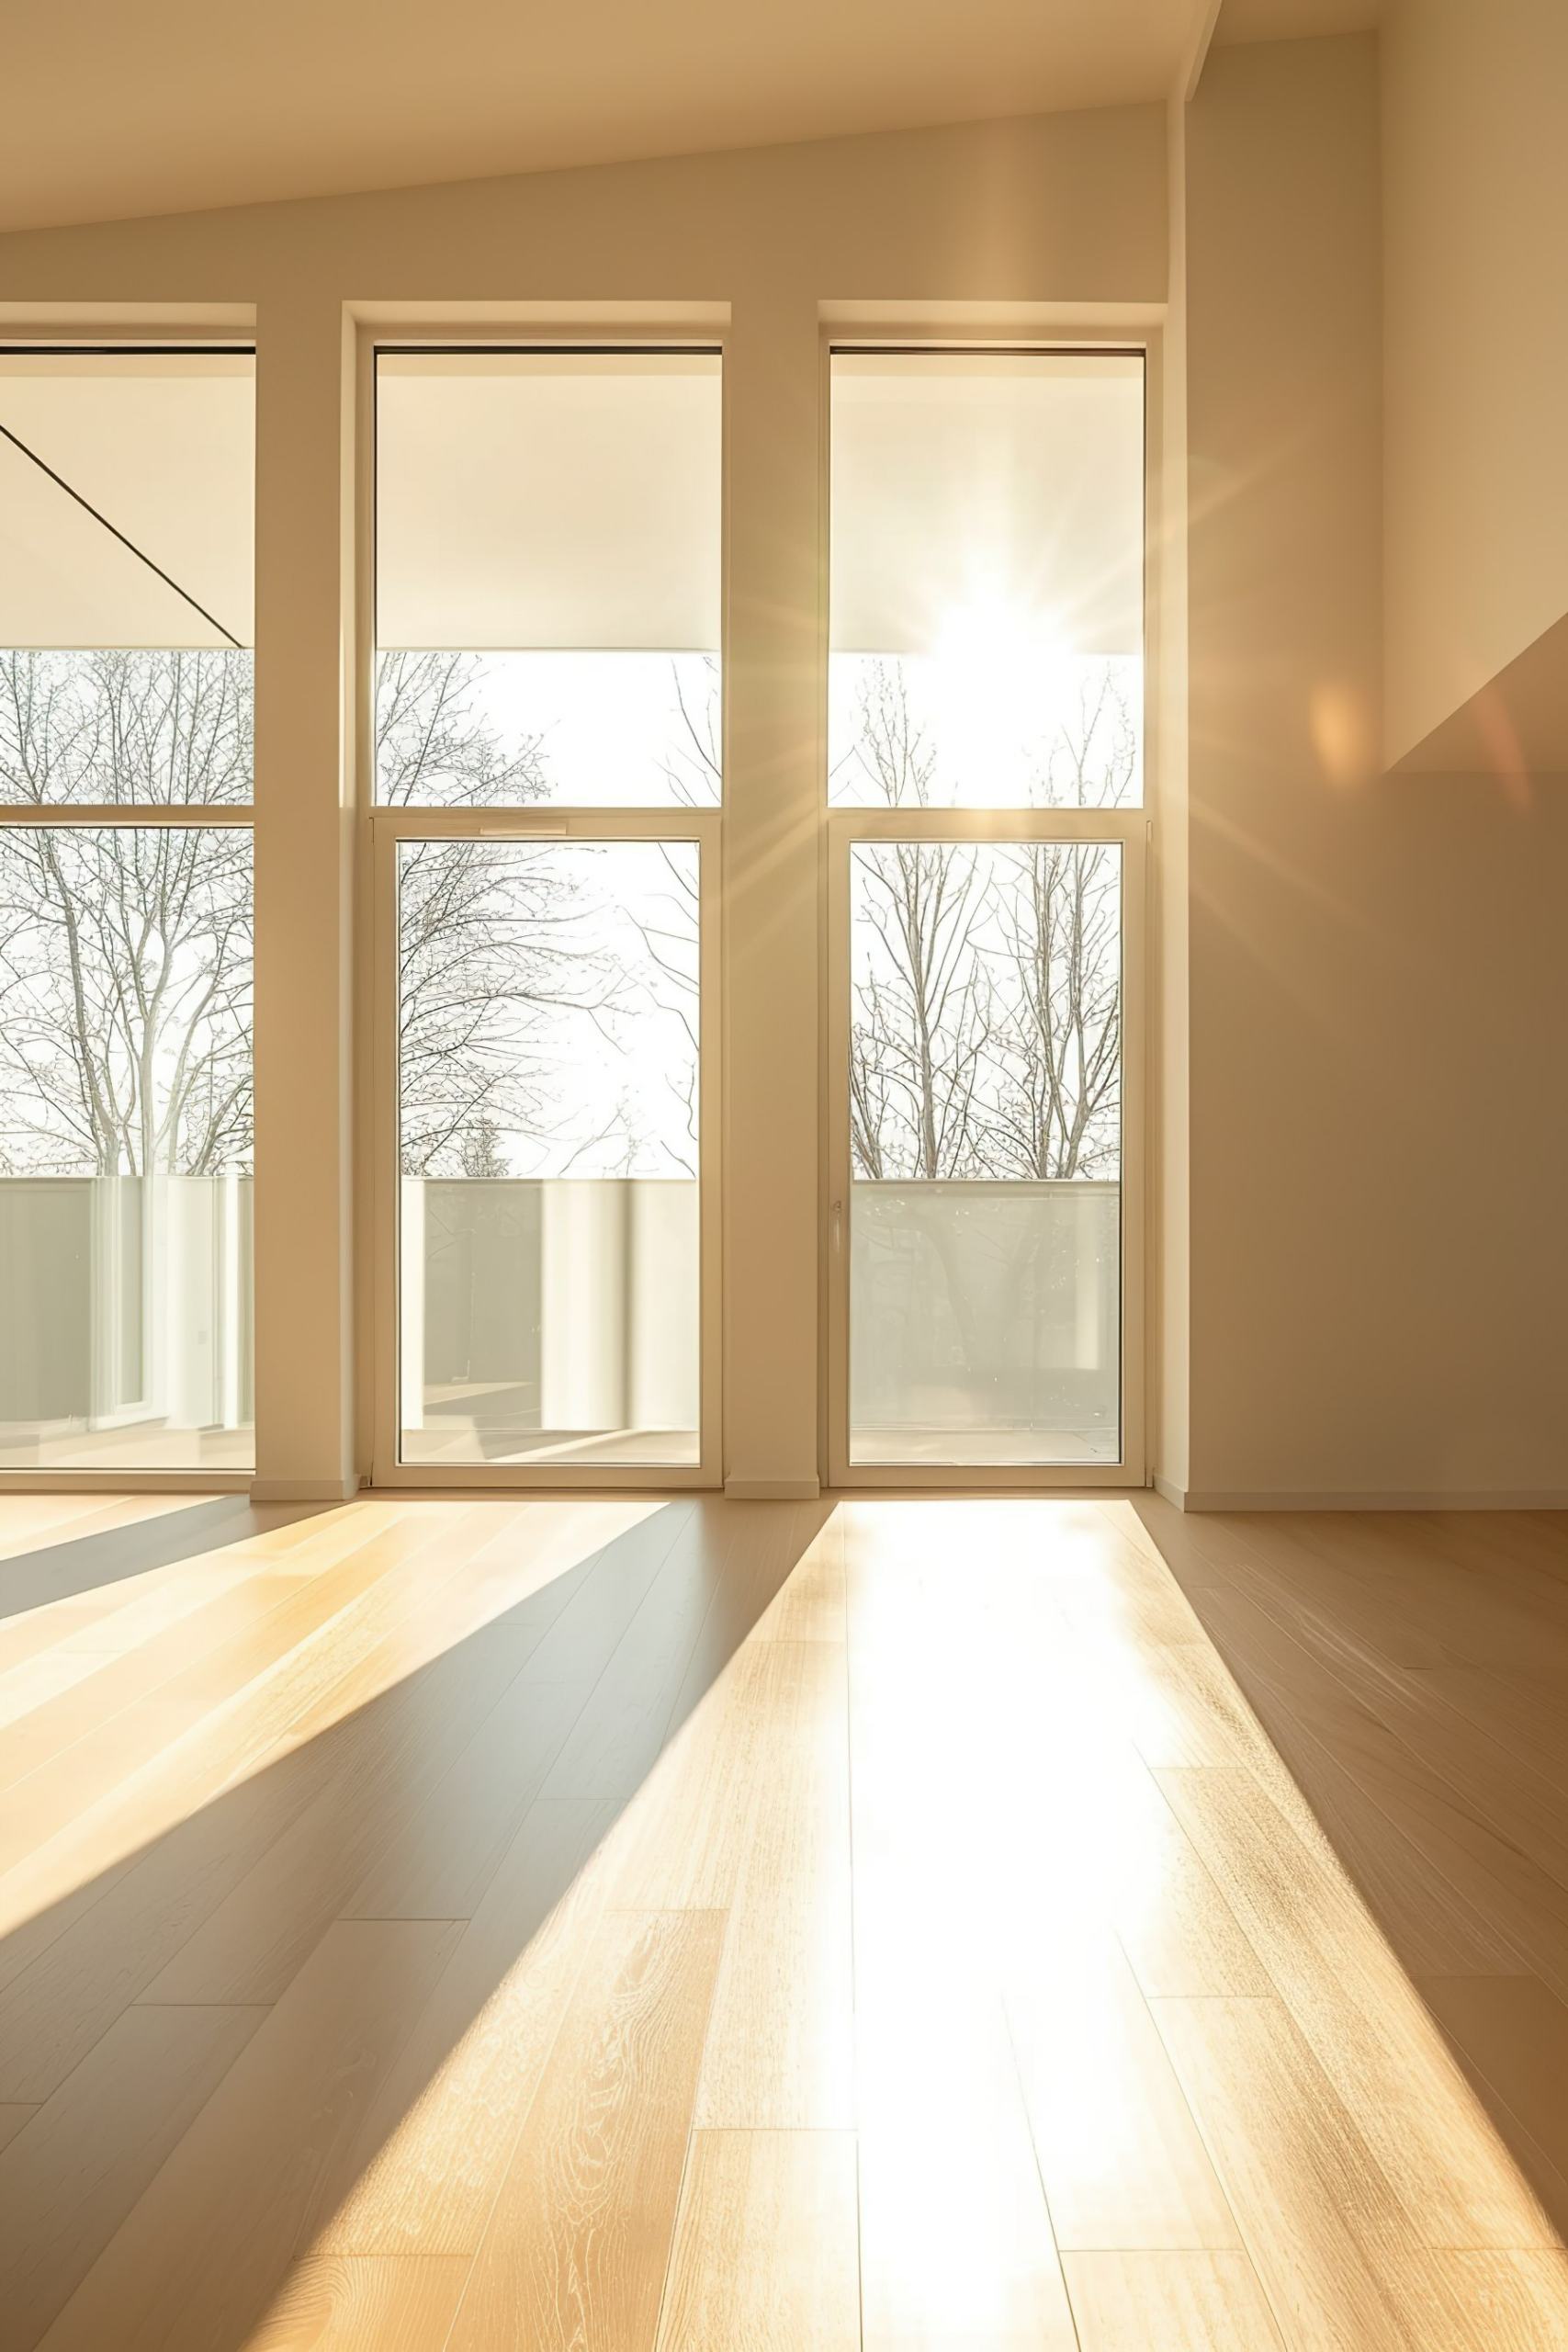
68	2182
287	1624
200	2256
1121	2158
363	2303
69	1987
780	2046
1387	1817
1511	2033
1169	2302
34	1522
680	1843
1321	2221
432	2150
13	2115
1515	1711
810	1605
766	2254
125	1790
1365	2024
956	2245
575	2249
373	1846
623	1726
1486	2302
73	1716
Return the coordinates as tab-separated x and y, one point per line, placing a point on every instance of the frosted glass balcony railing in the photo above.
550	1320
985	1321
126	1321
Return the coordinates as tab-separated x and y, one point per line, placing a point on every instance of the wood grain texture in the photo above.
1041	1922
363	2303
765	2256
575	2249
1362	2019
1169	2302
1322	2226
430	2153
780	2047
1486	2302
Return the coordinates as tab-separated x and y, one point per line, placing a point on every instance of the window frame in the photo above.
383	826
137	816
1132	830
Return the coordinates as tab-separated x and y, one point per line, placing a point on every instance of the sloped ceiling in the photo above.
175	105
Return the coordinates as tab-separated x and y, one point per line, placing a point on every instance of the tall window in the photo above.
986	742
126	599
547	775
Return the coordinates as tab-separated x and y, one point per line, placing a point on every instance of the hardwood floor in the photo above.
705	1927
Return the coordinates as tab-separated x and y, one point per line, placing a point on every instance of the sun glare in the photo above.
1000	678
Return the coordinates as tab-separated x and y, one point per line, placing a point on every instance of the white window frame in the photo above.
385	828
143	337
1132	829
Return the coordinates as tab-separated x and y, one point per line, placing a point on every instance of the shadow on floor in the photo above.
577	1688
59	1571
1354	1642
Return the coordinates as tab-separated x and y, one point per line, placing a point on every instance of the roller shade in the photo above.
163	447
985	484
547	500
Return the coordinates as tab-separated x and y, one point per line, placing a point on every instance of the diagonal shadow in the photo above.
1460	1892
562	1700
86	1563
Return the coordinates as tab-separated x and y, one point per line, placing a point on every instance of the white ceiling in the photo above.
173	105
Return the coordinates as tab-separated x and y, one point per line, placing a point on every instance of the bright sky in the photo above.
994	705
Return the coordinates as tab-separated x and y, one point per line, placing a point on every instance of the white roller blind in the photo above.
980	484
163	447
547	500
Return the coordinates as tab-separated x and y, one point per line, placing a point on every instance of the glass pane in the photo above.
986	1140
986	597
127	535
547	1129
547	529
126	1302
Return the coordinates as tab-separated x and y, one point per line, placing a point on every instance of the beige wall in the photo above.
1379	1127
1043	219
1475	178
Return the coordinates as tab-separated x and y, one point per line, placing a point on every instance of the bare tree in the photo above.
501	943
986	1030
1052	1110
468	972
694	773
124	951
922	1013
